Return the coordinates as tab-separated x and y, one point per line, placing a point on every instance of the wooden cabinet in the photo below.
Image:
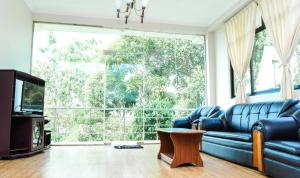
21	134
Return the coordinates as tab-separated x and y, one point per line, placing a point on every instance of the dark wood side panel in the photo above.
258	153
21	134
6	93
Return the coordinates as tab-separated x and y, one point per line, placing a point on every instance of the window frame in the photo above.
252	82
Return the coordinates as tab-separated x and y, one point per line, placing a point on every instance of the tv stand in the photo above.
21	133
23	113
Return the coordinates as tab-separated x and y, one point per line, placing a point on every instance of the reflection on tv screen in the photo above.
33	97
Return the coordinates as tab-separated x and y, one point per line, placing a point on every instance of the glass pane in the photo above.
190	72
71	61
266	71
112	85
124	84
160	86
295	65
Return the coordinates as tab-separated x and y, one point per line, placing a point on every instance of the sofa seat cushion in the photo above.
228	142
282	157
246	137
292	147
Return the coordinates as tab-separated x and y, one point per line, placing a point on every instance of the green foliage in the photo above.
155	118
148	76
121	93
259	44
261	41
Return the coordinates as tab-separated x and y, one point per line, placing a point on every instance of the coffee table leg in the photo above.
166	145
186	150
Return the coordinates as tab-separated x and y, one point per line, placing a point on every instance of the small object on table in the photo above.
180	146
196	125
128	147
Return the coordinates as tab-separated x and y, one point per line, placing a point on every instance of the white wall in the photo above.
15	35
210	70
223	88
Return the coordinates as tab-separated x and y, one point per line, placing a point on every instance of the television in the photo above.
29	97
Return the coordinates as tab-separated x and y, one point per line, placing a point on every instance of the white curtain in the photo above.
282	19
240	31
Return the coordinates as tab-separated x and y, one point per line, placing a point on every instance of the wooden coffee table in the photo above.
180	146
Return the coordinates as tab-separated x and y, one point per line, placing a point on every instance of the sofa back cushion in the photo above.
207	112
241	117
299	135
296	116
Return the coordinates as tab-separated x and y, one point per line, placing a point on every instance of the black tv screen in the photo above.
32	97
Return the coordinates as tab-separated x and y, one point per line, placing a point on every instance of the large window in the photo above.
264	74
106	85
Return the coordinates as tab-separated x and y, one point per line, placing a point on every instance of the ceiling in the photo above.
198	13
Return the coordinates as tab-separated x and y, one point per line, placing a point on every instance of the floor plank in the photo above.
107	162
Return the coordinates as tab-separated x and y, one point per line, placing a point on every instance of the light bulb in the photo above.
144	3
119	4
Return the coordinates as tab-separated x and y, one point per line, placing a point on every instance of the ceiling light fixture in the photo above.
138	6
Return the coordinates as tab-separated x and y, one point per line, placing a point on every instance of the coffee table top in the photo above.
179	130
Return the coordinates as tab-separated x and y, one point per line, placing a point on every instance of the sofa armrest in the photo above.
296	116
198	121
181	123
284	128
211	124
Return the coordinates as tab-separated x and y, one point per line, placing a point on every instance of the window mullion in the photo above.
251	77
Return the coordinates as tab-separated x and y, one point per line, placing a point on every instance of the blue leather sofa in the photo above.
196	116
230	137
281	142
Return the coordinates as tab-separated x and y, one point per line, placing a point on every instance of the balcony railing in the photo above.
106	125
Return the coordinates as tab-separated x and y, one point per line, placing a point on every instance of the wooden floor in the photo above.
107	162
